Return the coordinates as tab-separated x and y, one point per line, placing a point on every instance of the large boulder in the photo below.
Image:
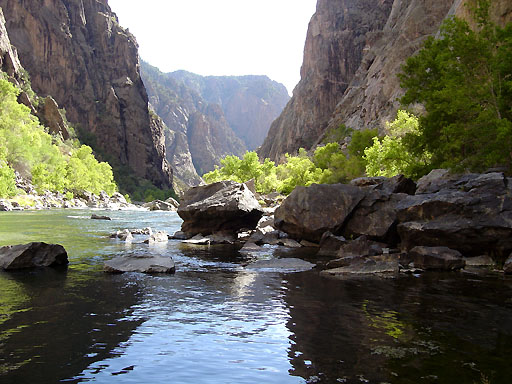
308	212
143	264
222	206
471	213
395	184
32	255
439	258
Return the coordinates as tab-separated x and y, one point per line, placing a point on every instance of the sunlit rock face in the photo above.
353	51
211	117
75	51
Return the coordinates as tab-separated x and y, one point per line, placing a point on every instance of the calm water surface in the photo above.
215	321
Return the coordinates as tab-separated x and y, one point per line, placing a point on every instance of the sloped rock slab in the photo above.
143	264
281	265
434	258
309	212
222	206
32	255
366	266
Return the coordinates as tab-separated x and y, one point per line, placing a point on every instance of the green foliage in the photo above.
464	81
337	135
391	156
51	164
297	171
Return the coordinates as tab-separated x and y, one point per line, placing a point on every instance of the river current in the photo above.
216	321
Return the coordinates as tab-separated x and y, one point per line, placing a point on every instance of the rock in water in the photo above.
288	264
507	267
98	217
222	206
32	255
440	258
143	264
310	211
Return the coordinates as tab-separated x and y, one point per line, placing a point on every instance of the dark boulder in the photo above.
32	255
330	244
471	213
396	184
361	246
143	264
433	258
308	212
99	217
222	206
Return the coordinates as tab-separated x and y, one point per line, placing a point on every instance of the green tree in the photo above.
390	156
464	81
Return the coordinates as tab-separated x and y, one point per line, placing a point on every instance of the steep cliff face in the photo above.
353	51
211	117
338	35
76	52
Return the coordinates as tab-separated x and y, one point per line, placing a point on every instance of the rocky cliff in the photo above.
353	51
211	117
76	52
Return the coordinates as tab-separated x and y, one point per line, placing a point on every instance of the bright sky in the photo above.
221	37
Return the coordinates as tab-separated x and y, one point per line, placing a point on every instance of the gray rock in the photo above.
396	184
433	258
507	267
159	205
180	235
32	255
479	261
157	237
289	243
144	231
361	246
281	265
173	202
143	264
5	206
222	206
308	212
330	244
250	247
366	265
309	244
99	217
198	240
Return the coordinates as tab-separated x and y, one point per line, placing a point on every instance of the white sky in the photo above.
221	37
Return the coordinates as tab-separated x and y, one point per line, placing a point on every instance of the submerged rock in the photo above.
282	265
222	206
143	264
32	255
99	217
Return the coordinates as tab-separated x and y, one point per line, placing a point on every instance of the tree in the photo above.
464	81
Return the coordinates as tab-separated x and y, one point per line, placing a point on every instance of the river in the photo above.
215	321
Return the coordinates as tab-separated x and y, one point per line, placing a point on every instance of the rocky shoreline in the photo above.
372	225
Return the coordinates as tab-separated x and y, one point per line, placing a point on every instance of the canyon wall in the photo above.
76	51
353	52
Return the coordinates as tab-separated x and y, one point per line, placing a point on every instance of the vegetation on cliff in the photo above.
464	81
48	161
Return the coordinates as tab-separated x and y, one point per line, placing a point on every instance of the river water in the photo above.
215	321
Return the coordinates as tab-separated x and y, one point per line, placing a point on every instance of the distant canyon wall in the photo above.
209	117
353	52
76	51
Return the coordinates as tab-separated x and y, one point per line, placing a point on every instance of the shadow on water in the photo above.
436	328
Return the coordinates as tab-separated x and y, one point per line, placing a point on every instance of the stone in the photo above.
250	247
118	198
471	213
366	265
330	244
281	265
5	206
289	243
309	244
395	184
433	258
375	217
479	261
308	212
32	255
124	235
144	231
100	217
507	266
159	205
222	206
361	246
198	240
143	264
179	235
157	237
173	202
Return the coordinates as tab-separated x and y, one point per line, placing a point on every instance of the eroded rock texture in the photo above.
353	51
76	52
